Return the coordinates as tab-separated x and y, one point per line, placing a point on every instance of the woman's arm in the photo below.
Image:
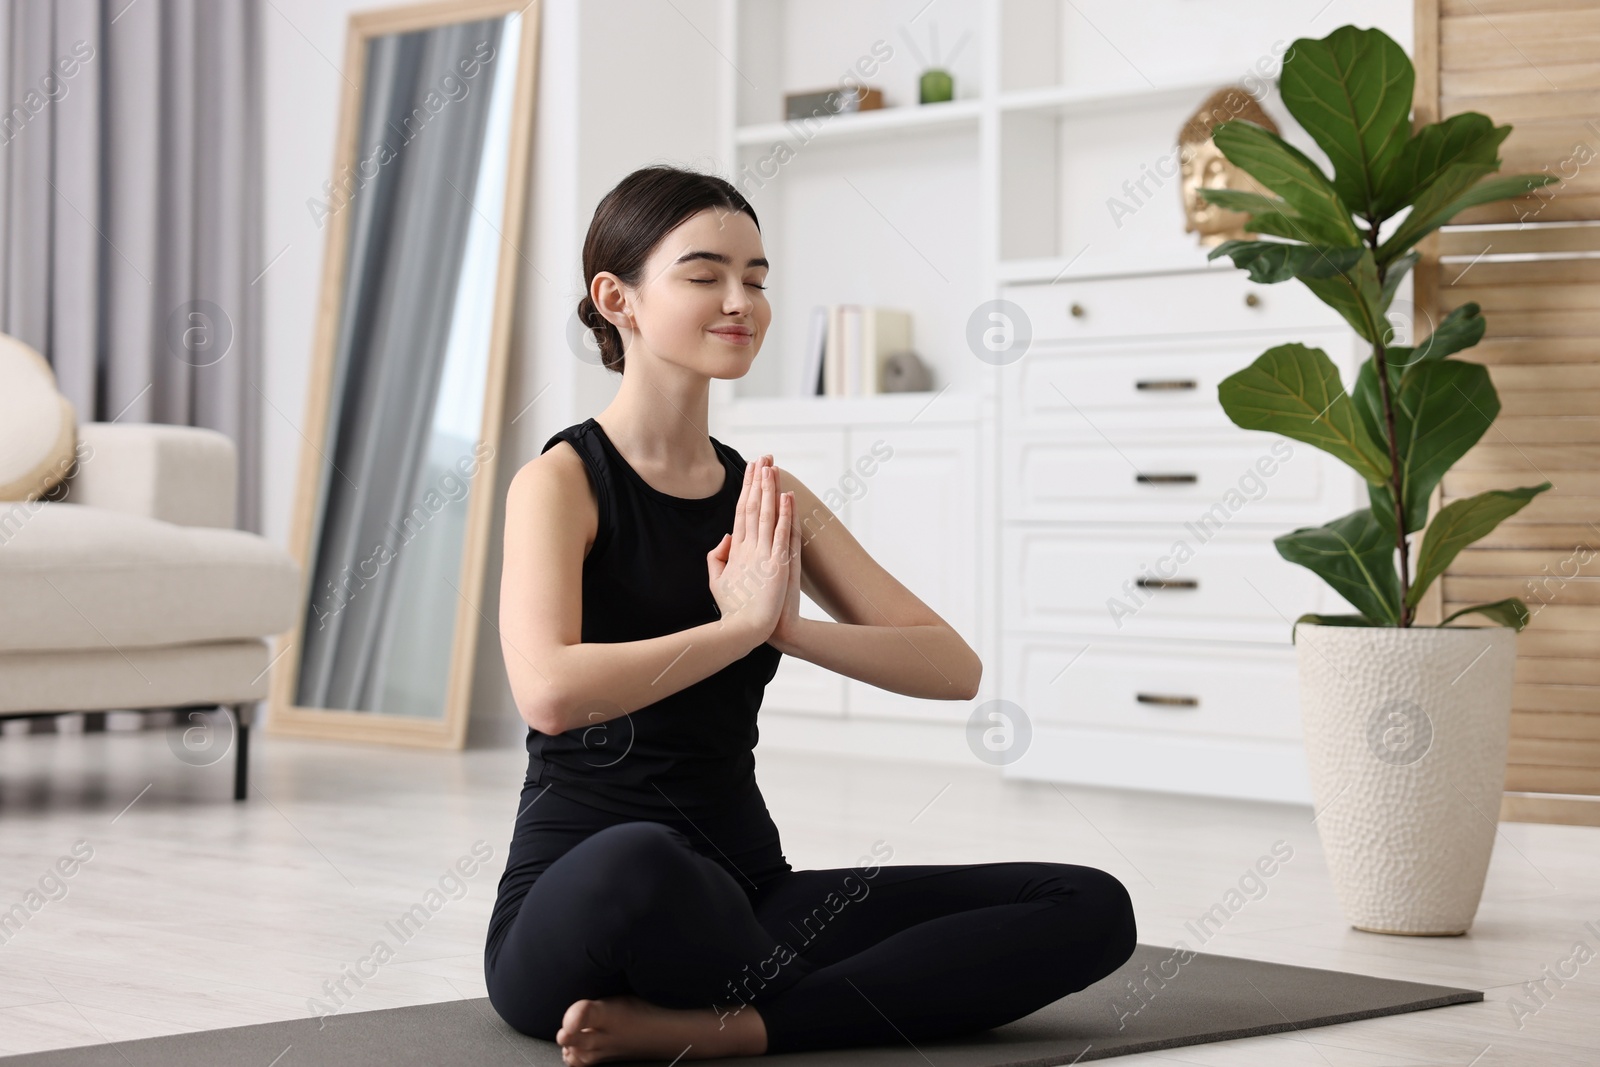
560	682
884	634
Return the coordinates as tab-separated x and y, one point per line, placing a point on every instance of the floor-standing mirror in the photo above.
405	398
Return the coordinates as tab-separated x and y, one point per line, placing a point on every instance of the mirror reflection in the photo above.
406	397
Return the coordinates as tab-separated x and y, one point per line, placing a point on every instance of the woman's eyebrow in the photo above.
717	257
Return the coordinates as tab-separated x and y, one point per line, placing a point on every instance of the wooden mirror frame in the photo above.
450	731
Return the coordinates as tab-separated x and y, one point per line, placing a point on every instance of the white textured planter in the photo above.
1405	734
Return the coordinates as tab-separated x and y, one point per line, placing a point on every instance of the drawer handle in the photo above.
1166	479
1167	583
1251	300
1167	701
1166	384
1077	311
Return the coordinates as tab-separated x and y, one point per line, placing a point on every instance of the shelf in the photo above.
926	407
934	118
1060	269
850	126
1075	100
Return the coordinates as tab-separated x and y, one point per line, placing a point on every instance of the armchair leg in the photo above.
241	765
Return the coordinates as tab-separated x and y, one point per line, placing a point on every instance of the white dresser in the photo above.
1144	613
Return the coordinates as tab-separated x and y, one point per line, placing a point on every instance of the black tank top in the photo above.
690	752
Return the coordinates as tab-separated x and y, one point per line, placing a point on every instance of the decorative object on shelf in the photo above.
904	372
848	347
936	84
1406	726
826	102
1205	167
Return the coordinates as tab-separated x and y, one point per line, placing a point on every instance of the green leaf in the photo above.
1351	91
1461	329
1295	391
1277	224
1398	357
1430	210
1321	218
1241	200
1391	284
1510	612
1439	415
1380	498
1428	214
1354	293
1369	408
1369	402
1270	262
1329	620
1356	557
1440	411
1465	138
1267	215
1460	523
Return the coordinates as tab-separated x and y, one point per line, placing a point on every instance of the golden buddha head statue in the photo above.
1204	166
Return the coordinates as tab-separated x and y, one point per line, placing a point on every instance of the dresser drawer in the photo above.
1211	480
1154	686
1155	581
1151	385
1193	302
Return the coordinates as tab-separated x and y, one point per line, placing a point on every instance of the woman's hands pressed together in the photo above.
755	570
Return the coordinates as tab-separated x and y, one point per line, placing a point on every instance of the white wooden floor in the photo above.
195	912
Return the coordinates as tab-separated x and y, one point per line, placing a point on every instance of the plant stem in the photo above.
1381	364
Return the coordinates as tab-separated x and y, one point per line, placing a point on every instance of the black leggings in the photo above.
830	958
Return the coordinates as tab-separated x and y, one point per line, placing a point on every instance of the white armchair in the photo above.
131	589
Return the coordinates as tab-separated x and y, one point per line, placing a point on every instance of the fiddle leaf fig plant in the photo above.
1412	411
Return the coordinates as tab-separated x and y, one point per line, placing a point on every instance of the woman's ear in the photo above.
611	300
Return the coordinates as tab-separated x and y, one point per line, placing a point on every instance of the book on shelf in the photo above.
811	366
847	347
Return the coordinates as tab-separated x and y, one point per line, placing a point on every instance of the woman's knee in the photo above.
639	837
1111	905
1096	912
634	861
526	991
589	902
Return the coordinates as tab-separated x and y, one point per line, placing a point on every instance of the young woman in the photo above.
647	909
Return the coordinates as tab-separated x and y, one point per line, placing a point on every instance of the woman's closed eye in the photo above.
712	281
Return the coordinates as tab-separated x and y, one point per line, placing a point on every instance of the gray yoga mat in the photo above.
1206	998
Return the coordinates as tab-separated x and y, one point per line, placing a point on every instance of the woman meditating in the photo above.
652	580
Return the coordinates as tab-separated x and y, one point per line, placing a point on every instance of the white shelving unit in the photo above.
1055	167
867	125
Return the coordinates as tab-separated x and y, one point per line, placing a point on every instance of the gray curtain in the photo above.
130	210
408	232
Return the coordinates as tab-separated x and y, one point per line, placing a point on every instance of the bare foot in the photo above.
630	1027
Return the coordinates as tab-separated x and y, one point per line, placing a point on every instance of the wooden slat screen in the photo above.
1533	265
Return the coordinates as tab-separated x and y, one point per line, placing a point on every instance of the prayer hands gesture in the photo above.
755	570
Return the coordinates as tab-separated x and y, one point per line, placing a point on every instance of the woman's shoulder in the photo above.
557	482
573	434
559	471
